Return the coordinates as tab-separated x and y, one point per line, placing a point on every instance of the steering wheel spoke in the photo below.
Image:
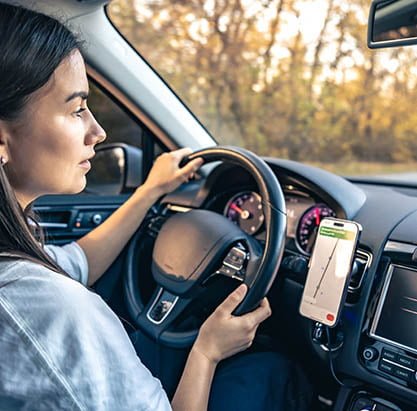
161	306
162	310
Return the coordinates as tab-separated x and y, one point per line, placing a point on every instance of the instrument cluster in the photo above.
304	214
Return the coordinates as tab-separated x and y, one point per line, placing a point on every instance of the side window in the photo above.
120	128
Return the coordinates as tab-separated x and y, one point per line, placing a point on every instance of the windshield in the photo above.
285	78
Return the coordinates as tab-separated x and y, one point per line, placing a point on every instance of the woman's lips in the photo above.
85	164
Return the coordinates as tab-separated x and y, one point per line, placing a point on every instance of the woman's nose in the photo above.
101	135
96	133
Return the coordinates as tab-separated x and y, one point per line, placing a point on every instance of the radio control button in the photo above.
386	367
370	353
402	373
406	361
389	355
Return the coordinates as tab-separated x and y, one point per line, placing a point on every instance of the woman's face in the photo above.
49	143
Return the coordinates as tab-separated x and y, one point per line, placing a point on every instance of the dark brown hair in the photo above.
32	46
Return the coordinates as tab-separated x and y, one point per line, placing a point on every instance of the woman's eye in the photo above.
79	112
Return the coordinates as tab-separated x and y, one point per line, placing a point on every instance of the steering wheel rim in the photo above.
267	266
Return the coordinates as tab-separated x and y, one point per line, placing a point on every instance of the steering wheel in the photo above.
193	247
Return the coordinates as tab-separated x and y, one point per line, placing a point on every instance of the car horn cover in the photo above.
190	247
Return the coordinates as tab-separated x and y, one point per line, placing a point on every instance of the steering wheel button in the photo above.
229	262
227	271
232	265
235	259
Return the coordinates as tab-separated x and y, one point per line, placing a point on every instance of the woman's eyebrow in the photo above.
82	94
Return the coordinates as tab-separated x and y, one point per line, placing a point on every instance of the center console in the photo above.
388	345
392	351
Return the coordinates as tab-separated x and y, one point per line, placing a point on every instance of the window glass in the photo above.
285	78
119	126
107	173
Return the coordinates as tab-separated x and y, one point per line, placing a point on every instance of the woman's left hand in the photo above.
166	175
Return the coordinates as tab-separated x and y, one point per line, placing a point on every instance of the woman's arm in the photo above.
221	336
194	387
103	244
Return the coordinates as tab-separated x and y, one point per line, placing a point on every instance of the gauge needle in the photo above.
317	213
236	208
243	213
312	239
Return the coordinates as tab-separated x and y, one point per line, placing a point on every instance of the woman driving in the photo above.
63	348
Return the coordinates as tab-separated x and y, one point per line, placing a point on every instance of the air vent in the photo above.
361	264
52	219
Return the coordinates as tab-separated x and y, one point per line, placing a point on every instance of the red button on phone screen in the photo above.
330	317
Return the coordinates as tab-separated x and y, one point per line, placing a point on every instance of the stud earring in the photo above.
2	161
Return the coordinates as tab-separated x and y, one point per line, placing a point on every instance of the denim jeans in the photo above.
260	381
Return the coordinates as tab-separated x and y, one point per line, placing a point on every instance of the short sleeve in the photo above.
72	259
66	349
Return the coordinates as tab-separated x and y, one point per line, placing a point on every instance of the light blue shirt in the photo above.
62	347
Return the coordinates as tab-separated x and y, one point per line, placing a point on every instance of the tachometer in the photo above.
308	225
245	209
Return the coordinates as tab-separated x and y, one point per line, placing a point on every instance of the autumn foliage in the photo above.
283	78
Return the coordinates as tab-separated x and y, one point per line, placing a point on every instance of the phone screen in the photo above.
329	270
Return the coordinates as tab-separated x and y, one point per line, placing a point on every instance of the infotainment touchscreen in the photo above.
396	316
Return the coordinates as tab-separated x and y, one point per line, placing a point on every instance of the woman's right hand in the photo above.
224	334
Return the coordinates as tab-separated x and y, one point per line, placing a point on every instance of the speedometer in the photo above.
308	225
245	210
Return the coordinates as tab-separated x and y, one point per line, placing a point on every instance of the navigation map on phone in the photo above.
330	267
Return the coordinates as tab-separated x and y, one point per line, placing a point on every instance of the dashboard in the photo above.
374	346
381	359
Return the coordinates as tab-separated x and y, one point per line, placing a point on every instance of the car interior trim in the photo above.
398	247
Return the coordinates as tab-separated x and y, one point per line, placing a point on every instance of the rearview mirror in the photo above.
116	168
392	23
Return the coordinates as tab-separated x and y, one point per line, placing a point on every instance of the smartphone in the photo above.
329	271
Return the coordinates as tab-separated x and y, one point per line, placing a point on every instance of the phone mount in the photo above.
328	341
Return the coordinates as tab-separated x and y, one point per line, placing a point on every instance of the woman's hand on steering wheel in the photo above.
166	174
223	334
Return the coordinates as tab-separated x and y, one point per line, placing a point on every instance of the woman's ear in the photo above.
4	135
